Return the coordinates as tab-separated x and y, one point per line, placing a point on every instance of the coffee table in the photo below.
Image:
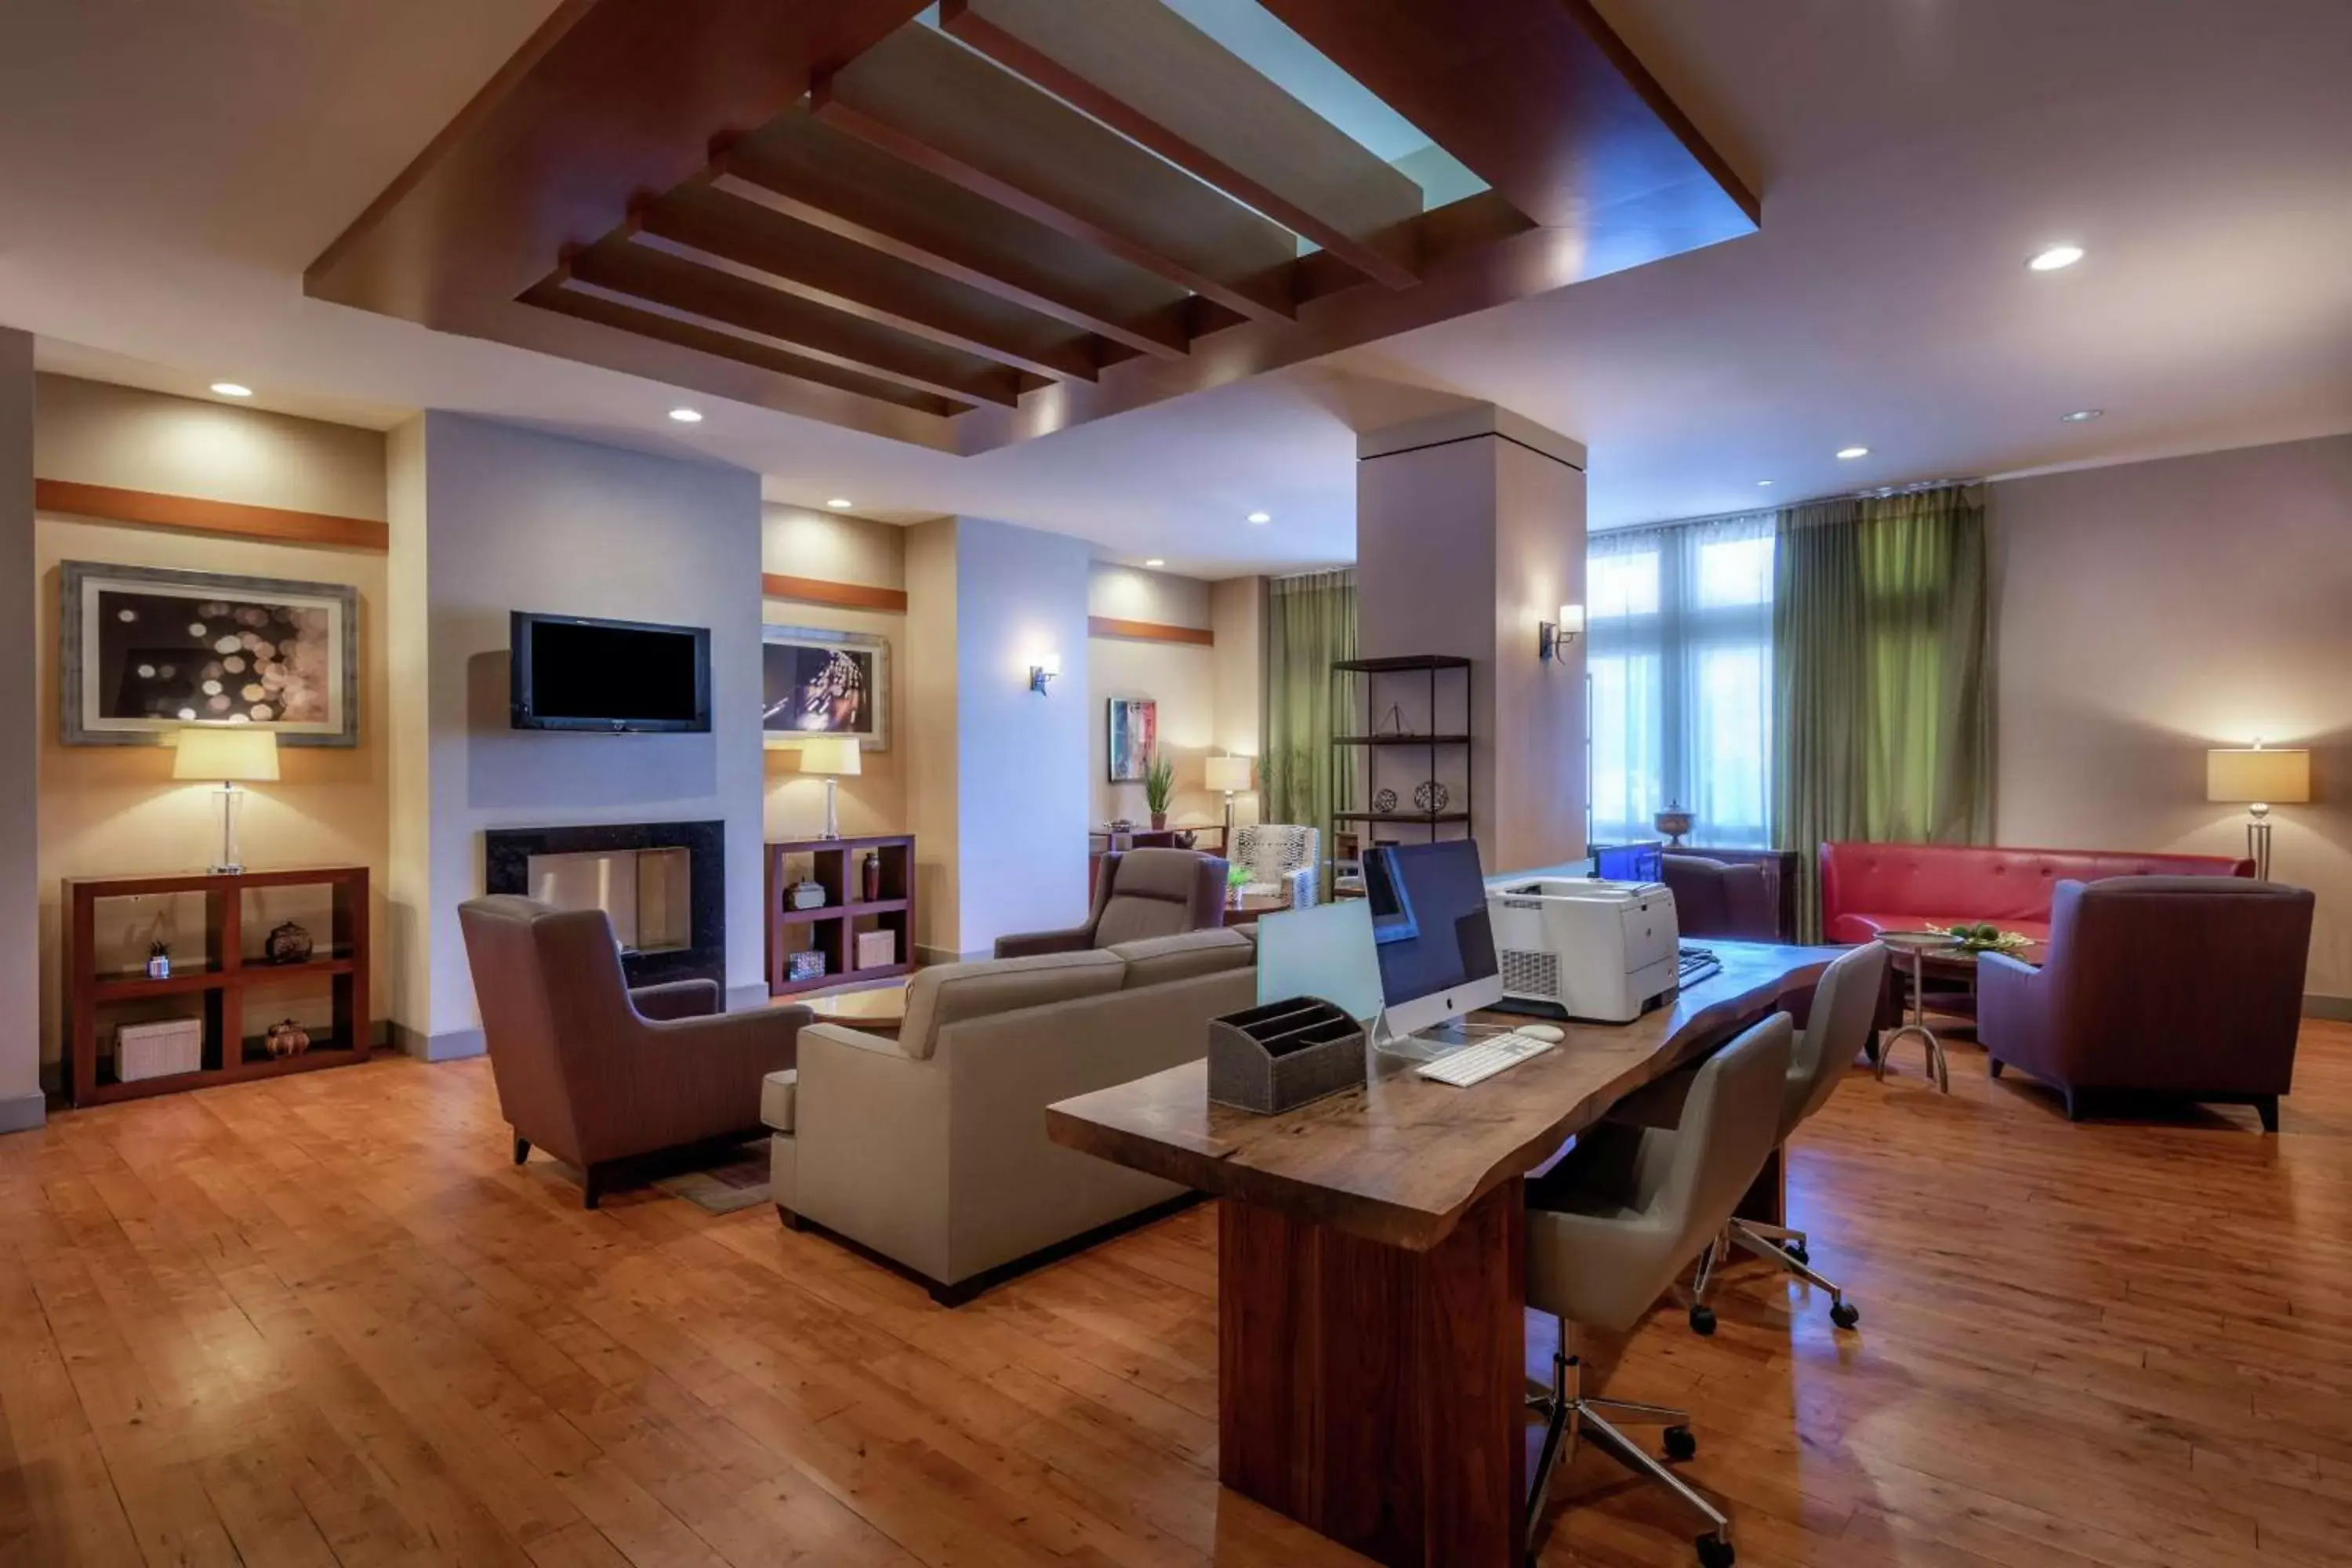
1929	953
876	1010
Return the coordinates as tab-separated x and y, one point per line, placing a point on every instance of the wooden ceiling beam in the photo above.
1145	71
1543	101
558	298
706	295
802	169
930	102
729	234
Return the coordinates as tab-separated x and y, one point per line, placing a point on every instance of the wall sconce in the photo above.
1048	666
1552	638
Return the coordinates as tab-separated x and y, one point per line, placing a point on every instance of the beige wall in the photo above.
1182	678
928	750
22	964
797	542
116	810
2148	611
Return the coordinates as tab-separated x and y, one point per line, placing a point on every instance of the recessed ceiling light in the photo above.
232	389
841	503
1155	561
1764	484
687	416
1850	453
2082	416
1261	517
2056	256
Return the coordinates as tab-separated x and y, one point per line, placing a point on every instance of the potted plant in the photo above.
1237	877
1158	788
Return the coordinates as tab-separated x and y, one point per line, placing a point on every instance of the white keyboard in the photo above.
1474	1064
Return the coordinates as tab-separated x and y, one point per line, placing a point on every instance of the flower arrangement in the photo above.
1983	938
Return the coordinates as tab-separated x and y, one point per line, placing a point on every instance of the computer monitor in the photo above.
1325	951
1628	862
1446	967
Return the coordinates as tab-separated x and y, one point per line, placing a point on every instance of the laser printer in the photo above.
1574	947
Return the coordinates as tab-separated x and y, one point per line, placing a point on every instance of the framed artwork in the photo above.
816	682
1134	731
147	650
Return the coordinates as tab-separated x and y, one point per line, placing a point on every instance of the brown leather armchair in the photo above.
595	1073
1713	898
1138	893
2183	986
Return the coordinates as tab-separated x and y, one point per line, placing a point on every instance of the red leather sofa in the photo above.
1870	888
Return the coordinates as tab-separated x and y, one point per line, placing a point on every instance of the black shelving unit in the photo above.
1379	676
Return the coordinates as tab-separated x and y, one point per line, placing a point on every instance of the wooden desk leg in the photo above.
1376	1394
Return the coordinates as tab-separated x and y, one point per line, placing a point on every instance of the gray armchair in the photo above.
1138	893
595	1073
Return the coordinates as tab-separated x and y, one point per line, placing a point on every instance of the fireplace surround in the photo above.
648	907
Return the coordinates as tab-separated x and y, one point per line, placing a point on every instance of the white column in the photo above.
1469	533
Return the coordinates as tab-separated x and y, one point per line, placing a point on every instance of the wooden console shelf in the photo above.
218	980
832	927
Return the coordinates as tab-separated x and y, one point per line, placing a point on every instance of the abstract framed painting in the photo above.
1134	731
819	682
148	649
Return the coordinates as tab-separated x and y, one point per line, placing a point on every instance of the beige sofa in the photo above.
929	1150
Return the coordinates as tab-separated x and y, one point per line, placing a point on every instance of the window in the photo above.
1680	623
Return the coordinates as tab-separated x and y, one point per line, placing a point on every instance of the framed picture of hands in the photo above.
819	682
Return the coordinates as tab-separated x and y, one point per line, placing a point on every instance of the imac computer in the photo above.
1428	907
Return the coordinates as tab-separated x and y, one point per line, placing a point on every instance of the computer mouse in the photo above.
1543	1032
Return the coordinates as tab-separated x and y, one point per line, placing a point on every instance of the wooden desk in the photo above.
1371	1267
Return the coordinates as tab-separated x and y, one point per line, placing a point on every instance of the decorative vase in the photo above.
1158	822
869	877
1673	822
287	944
287	1039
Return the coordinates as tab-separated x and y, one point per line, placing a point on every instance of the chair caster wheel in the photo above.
1702	1319
1680	1444
1715	1552
1845	1314
1798	1250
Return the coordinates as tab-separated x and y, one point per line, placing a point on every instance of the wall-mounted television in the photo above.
613	677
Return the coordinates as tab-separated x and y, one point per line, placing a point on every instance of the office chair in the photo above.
1613	1223
1845	1009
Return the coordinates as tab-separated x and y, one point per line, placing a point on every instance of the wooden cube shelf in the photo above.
832	928
217	983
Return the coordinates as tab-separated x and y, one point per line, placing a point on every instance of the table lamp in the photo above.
2258	777
1231	775
836	757
233	753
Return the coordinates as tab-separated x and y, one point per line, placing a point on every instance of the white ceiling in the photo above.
167	171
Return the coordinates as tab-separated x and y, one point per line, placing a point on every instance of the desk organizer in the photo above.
1281	1054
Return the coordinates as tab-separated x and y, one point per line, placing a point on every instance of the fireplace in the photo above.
663	884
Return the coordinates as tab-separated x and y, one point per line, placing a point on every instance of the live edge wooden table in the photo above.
1371	1264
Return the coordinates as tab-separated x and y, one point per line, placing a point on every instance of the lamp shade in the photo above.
831	755
233	753
2272	775
1229	775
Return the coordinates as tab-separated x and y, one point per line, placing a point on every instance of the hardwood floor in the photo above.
323	1319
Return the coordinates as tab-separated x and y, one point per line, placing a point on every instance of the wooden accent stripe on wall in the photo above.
1149	631
842	595
150	509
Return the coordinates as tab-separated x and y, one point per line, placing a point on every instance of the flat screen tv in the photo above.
613	677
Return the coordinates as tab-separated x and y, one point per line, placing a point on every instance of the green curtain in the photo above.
1310	622
1883	712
